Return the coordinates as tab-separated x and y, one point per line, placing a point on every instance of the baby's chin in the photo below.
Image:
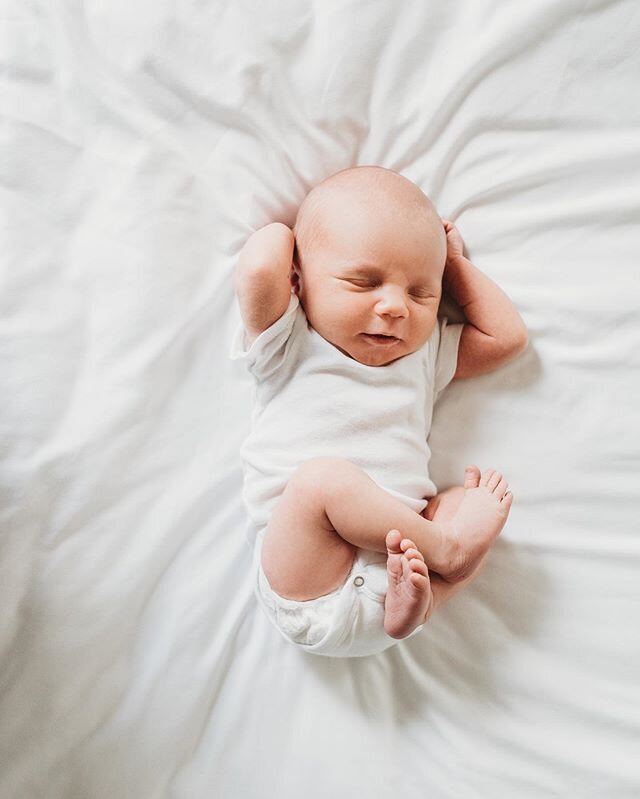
370	355
379	361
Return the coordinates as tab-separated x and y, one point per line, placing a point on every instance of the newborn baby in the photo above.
355	549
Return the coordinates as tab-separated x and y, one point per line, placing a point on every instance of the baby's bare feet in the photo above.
477	523
409	594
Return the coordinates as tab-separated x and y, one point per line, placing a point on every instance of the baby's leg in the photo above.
328	508
331	506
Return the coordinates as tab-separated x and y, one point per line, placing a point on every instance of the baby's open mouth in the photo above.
380	338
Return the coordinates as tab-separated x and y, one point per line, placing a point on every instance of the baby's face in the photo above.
372	285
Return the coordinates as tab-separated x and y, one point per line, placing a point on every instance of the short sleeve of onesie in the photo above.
445	352
269	350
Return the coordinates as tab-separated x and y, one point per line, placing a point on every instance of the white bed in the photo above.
142	143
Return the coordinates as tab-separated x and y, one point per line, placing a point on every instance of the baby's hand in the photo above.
455	245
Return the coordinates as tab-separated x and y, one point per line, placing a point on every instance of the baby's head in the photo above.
369	258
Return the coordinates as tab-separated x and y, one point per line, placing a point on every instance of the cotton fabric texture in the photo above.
144	143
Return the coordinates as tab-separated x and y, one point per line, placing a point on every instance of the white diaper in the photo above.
348	622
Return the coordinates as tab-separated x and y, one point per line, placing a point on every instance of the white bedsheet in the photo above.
141	145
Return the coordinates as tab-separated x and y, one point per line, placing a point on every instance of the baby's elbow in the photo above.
519	343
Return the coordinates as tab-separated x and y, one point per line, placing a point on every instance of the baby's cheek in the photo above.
347	307
430	323
338	313
421	333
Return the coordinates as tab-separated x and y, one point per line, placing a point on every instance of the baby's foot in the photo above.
477	523
409	591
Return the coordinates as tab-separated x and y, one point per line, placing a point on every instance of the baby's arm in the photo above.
494	333
262	277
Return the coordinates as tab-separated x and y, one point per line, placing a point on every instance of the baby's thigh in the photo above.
303	557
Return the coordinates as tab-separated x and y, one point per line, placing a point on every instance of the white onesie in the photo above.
311	399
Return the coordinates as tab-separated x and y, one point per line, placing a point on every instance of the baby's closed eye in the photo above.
361	283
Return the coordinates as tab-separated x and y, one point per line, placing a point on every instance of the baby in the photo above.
355	547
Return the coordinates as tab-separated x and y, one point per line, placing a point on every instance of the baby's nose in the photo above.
392	301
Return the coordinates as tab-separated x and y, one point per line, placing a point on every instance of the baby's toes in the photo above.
406	544
471	476
493	481
413	552
419	581
506	501
486	476
418	566
392	541
499	490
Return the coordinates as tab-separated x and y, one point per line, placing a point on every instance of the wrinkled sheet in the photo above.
142	143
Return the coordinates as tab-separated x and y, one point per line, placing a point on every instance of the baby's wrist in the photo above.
456	262
455	268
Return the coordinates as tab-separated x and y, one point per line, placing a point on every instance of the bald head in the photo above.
369	259
382	194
